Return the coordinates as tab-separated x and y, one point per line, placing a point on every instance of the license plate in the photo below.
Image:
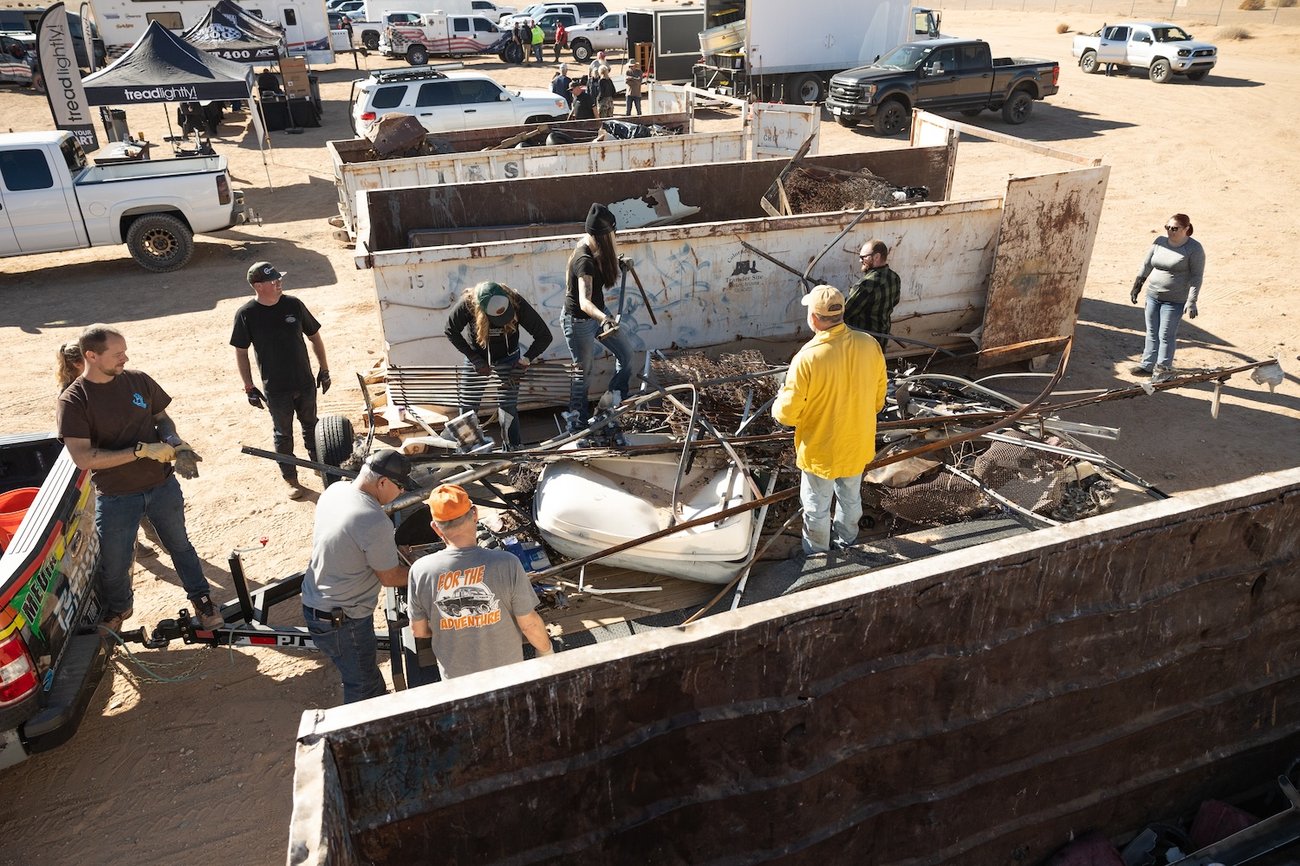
835	109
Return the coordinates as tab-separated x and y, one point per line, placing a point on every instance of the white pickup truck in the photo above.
1164	50
52	200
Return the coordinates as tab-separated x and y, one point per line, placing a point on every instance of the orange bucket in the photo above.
13	507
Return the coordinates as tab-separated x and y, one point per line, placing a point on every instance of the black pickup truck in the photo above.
939	74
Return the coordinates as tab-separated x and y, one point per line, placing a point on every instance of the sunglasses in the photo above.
1174	228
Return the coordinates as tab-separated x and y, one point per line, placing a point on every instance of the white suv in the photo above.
449	100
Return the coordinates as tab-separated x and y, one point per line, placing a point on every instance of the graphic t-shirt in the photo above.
470	597
276	334
113	416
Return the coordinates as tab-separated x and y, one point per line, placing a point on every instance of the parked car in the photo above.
444	101
16	58
490	10
437	35
609	32
1164	50
338	20
938	74
18	21
583	11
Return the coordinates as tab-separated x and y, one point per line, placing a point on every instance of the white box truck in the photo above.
306	27
777	51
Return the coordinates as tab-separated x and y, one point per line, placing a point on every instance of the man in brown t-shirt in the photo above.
114	423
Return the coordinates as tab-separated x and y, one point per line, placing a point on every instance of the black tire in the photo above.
1160	72
334	442
416	55
1018	107
846	122
513	53
581	50
1198	75
805	89
542	118
893	117
160	242
971	112
370	39
1088	63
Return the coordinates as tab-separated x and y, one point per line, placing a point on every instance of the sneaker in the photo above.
1139	370
113	621
144	551
1162	374
209	617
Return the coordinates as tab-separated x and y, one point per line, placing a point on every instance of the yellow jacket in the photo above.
832	392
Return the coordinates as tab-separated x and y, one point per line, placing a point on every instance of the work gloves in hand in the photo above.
160	451
424	652
187	461
609	327
481	367
256	398
323	380
1137	289
1189	309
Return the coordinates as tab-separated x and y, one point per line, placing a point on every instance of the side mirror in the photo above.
504	97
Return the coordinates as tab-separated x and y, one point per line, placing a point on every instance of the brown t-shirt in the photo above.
116	415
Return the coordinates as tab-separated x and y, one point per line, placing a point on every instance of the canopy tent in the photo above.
233	33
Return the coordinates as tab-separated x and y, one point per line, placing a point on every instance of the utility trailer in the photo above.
674	35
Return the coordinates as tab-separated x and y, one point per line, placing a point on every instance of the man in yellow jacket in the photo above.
832	392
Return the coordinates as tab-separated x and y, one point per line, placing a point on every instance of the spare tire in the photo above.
334	443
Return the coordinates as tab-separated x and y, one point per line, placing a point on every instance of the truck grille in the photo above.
1203	52
847	92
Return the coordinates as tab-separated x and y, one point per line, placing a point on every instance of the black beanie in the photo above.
600	220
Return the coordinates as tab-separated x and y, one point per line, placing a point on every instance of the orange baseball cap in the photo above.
448	502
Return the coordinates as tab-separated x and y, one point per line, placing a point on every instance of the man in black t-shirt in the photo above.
274	324
583	104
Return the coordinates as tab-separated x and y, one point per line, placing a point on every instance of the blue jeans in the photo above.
118	520
283	408
632	102
537	52
1162	332
470	388
352	648
580	334
816	495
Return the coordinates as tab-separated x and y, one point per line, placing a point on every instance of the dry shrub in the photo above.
1284	4
1251	5
1065	28
1233	34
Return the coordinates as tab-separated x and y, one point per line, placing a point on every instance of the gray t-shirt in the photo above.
352	540
470	598
1176	272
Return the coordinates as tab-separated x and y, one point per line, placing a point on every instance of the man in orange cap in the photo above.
459	596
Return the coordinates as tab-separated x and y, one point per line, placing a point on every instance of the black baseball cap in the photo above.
263	272
394	466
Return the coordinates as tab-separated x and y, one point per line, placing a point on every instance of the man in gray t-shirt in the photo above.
353	554
470	608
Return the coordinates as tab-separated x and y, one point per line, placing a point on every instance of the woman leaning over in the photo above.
1175	265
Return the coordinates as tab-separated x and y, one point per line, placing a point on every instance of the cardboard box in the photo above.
294	72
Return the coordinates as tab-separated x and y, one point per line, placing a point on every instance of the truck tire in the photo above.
334	438
1018	107
370	39
416	55
1088	63
1160	72
581	50
160	242
1198	74
512	53
805	89
893	117
846	122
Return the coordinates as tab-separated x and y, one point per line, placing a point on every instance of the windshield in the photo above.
905	56
1170	34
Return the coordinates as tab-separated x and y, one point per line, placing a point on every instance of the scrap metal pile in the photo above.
817	190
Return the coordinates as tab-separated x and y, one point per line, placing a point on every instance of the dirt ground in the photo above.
196	754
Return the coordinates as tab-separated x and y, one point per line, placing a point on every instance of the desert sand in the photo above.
196	759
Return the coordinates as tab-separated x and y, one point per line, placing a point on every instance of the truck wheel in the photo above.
1088	63
581	50
417	56
1017	108
1160	72
1198	74
806	89
370	39
334	440
892	118
513	53
846	122
160	242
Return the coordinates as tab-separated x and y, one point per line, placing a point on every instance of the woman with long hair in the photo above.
594	267
491	315
1176	267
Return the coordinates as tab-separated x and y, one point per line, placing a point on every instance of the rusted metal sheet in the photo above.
780	130
975	707
1049	224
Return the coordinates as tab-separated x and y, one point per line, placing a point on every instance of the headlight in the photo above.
1184	52
869	92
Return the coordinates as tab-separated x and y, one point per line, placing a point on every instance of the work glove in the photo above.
1189	309
256	398
523	363
187	461
609	327
481	367
424	652
323	380
624	263
160	451
1137	289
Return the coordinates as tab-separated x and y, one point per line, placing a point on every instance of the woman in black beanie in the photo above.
593	267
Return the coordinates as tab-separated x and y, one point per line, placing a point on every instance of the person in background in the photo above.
633	97
583	106
560	84
269	82
517	36
275	325
1176	265
593	267
593	71
871	301
493	315
470	608
833	390
604	94
538	38
561	39
114	423
353	554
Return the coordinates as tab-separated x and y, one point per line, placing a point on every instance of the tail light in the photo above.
368	116
17	674
223	189
1056	75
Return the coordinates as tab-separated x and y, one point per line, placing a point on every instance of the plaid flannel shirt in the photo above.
871	301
